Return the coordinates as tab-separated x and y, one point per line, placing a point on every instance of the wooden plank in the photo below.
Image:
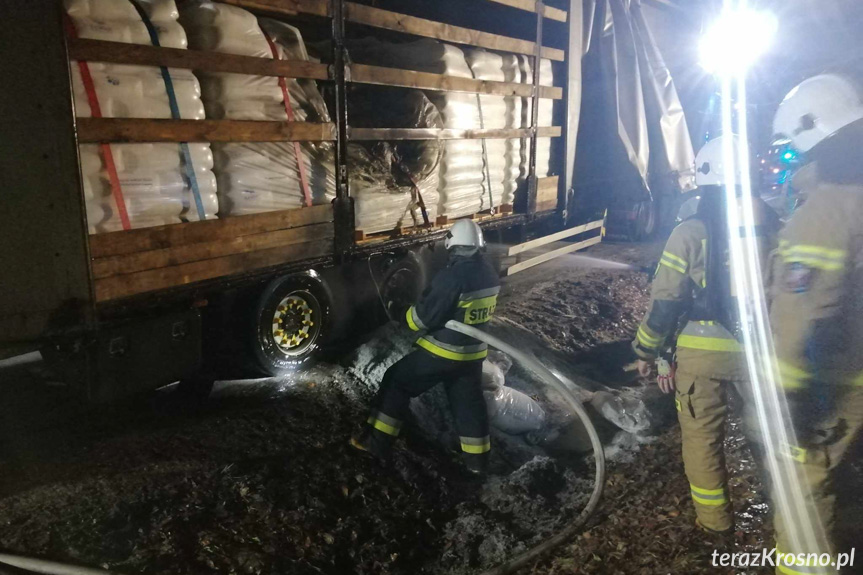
95	130
141	55
530	6
126	285
369	16
555	237
284	7
546	189
173	235
546	205
378	75
521	266
447	134
173	256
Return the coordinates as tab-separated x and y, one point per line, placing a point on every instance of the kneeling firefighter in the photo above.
466	291
693	288
816	311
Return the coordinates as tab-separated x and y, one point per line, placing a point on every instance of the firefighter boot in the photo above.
377	444
476	463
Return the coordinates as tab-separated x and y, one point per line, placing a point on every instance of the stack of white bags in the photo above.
258	177
154	178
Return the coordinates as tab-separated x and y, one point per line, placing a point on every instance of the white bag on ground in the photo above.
509	410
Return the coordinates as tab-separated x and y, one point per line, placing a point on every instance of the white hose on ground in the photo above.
551	380
48	567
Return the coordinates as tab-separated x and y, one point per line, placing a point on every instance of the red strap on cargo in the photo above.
298	152
96	112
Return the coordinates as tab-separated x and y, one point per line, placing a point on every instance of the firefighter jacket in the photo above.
816	308
680	283
466	291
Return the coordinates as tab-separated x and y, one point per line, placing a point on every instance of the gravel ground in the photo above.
261	479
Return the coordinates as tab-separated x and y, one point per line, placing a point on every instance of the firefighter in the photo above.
466	291
693	289
816	307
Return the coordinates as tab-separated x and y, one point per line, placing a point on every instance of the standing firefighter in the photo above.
692	288
466	291
817	295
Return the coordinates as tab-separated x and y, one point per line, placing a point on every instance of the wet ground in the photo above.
261	479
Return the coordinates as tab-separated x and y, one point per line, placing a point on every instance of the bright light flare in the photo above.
788	494
736	40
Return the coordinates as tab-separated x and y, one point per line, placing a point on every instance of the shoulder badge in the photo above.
798	277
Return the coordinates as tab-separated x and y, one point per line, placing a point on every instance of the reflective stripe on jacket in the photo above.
680	278
466	291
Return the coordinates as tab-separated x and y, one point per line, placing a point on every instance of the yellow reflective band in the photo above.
677	404
858	381
828	259
645	343
447	354
478	310
711	497
647	336
476	449
792	377
709	343
665	261
700	491
680	261
381	426
411	323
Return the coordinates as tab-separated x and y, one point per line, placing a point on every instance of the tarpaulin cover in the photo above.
631	115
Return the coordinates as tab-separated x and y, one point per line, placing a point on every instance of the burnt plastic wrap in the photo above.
509	410
461	170
388	179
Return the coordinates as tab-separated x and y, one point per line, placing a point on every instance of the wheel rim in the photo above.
296	323
400	288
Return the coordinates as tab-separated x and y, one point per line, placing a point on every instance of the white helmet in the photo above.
464	233
816	109
711	164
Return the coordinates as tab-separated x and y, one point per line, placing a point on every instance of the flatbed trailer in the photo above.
136	309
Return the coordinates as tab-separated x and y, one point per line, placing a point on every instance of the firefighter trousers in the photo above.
418	372
703	381
815	467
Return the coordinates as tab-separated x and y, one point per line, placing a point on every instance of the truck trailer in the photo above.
132	308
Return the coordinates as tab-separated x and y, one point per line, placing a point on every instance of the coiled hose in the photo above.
549	379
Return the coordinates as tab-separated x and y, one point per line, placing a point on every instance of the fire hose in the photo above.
552	381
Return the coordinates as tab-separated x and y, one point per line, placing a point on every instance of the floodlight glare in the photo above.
736	40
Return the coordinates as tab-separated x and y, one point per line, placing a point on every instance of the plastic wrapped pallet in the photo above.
259	177
155	179
461	171
503	156
546	111
388	179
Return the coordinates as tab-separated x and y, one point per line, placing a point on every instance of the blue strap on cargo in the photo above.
175	113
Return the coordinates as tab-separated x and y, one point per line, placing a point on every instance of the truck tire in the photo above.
402	285
288	324
644	223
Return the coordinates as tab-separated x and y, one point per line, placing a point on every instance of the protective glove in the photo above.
665	375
